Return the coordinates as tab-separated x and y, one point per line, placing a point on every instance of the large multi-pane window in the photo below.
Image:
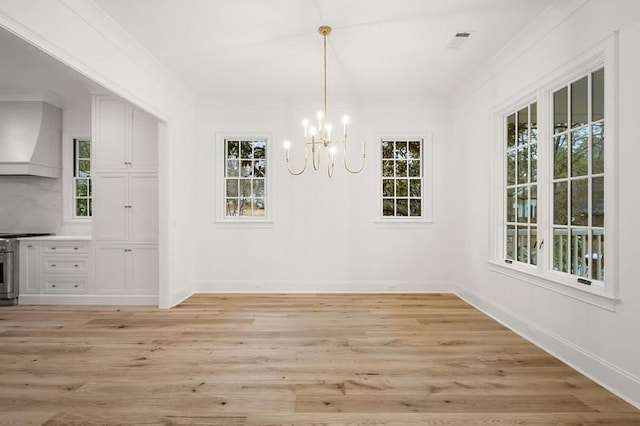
554	186
402	178
578	177
521	155
245	175
82	188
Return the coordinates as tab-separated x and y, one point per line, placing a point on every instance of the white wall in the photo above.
79	34
323	236
603	344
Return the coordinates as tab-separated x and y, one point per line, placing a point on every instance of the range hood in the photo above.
30	139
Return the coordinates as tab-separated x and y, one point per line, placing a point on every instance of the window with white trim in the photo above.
402	178
578	177
554	183
522	185
82	185
245	177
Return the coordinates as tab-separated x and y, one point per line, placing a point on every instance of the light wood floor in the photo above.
287	359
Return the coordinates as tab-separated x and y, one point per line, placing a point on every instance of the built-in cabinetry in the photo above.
52	266
125	209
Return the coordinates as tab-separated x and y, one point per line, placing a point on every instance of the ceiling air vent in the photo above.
459	40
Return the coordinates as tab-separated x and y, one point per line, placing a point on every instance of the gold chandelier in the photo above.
321	136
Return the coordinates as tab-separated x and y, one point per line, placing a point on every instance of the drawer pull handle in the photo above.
53	265
75	248
75	286
75	266
53	248
53	285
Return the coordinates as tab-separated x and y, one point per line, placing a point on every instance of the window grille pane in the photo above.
523	165
560	110
414	168
401	150
511	242
597	95
533	243
597	150
82	187
246	149
597	256
416	207
533	153
523	126
533	124
387	149
259	150
579	253
233	167
579	102
82	207
258	187
511	131
511	168
84	149
580	152
245	188
560	250
597	202
523	204
511	205
401	168
402	207
233	149
259	168
560	195
533	204
522	241
232	188
246	168
388	207
388	188
414	150
415	188
560	156
580	202
402	188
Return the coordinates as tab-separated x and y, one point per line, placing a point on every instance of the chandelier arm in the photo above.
316	163
304	167
364	155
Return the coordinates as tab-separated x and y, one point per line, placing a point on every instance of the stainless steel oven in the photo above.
9	267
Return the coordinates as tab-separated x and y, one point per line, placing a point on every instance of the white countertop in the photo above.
58	238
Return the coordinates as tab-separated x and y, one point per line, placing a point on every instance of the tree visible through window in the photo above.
578	177
402	174
521	185
82	188
245	174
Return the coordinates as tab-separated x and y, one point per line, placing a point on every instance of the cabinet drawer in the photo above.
64	265
65	285
65	248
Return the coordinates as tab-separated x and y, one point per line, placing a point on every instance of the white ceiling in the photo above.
271	48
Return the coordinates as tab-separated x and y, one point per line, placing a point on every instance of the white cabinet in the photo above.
126	139
55	267
126	207
127	269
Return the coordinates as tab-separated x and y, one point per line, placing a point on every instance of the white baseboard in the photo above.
84	299
246	286
180	297
616	380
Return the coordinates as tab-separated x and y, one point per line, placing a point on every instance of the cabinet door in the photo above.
110	209
29	267
111	271
143	264
144	142
112	135
143	214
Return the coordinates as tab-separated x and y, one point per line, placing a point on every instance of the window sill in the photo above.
244	223
593	296
403	223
